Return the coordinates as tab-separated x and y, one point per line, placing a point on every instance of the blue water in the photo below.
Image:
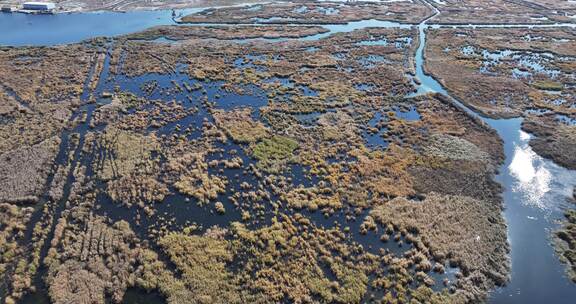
375	140
25	29
409	115
380	42
356	25
533	201
364	87
535	192
428	83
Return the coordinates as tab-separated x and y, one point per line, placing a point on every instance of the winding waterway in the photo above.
535	189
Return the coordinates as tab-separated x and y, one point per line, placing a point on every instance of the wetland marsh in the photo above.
300	152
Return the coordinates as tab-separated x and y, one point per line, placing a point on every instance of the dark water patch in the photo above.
311	118
373	242
174	213
373	135
284	89
178	211
252	96
299	176
165	86
375	140
37	297
190	126
139	296
189	92
308	119
343	159
86	87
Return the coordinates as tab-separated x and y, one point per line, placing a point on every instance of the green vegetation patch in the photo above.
566	243
271	152
287	264
548	85
202	263
125	151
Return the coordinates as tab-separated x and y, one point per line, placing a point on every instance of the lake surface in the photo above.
28	29
535	189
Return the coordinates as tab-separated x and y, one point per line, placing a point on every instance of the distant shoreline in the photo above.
88	6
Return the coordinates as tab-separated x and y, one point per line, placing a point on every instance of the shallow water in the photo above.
375	140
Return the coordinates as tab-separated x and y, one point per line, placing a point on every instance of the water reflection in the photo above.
535	191
532	177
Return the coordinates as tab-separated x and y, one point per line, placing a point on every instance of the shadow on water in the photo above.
133	295
140	296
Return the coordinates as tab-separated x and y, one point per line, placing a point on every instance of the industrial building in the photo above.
38	6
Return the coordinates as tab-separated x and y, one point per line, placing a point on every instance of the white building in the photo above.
38	6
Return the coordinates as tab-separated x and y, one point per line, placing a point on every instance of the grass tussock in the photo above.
475	240
124	151
240	126
274	152
565	241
